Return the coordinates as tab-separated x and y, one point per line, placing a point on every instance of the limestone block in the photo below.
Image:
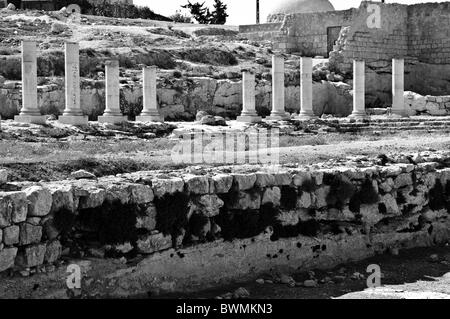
7	257
140	194
39	201
167	186
271	196
320	196
29	234
11	235
403	180
196	184
154	243
391	205
301	177
244	181
283	179
95	198
207	205
148	219
31	256
264	179
305	200
370	214
222	183
244	201
52	251
289	218
62	197
13	208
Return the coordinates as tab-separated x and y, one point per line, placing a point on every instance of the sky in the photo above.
243	11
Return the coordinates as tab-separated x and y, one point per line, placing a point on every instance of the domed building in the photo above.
301	6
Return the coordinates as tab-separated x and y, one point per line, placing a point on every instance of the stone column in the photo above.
306	107
359	83
248	114
72	114
30	111
278	112
150	112
112	113
398	103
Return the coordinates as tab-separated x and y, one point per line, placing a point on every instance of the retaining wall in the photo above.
303	217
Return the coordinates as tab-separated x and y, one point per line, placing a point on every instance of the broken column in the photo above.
30	111
72	114
398	103
359	102
150	112
112	113
248	113
278	112
306	107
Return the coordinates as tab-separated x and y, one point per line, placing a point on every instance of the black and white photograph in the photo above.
213	158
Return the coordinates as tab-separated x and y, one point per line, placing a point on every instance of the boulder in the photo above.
206	205
7	257
153	243
13	208
52	251
11	235
57	28
29	234
31	256
82	174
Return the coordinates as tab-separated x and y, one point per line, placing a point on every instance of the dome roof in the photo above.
302	6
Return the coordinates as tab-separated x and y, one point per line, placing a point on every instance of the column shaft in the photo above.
72	113
248	95
398	103
278	100
359	102
150	112
112	113
306	107
30	111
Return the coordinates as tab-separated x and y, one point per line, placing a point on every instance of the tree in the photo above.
204	16
198	12
219	15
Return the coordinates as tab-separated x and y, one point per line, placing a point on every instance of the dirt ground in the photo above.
53	160
410	271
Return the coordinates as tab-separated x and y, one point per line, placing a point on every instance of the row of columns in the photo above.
306	107
73	114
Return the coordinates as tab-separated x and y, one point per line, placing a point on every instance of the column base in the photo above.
150	118
73	119
249	119
358	115
278	116
112	119
31	119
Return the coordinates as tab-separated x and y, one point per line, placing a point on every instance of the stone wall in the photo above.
428	105
148	212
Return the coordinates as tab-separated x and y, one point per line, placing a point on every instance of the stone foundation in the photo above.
228	222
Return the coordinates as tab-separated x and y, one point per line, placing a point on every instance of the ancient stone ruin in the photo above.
117	178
